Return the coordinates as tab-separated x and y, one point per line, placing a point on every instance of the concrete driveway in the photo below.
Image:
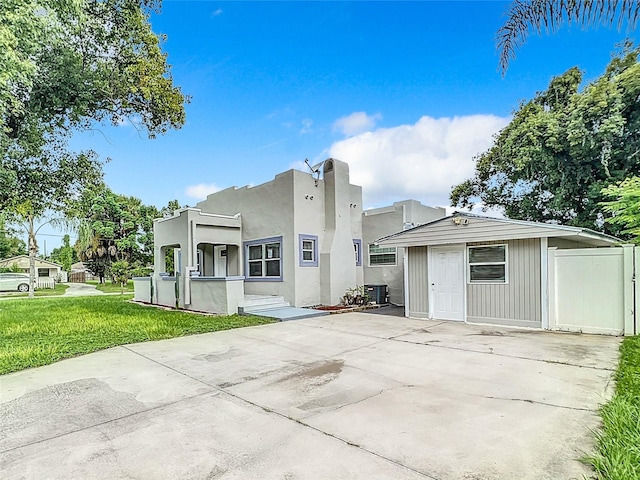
352	396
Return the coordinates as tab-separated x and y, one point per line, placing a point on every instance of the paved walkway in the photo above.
81	290
350	396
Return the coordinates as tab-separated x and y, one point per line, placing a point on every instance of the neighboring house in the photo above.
46	272
484	270
299	237
80	273
44	268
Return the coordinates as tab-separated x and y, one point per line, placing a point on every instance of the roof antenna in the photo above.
315	170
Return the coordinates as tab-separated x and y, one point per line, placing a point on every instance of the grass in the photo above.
35	333
110	287
59	289
618	444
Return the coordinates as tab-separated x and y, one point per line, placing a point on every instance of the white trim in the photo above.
551	287
488	282
405	274
465	282
553	230
544	281
430	271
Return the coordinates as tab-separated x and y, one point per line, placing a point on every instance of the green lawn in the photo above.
40	292
34	333
618	455
110	287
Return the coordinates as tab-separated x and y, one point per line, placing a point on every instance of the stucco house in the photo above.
301	239
475	269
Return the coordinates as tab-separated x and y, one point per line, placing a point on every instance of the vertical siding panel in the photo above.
418	282
519	300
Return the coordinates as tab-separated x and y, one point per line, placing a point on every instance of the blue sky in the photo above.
405	92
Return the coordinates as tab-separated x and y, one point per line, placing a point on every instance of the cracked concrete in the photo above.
346	396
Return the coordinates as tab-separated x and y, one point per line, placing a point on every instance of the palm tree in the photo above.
526	16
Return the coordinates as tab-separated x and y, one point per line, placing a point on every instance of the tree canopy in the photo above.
65	66
535	16
114	227
562	148
68	63
624	205
64	255
10	244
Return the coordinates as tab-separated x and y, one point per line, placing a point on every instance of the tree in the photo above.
625	206
562	148
67	65
64	255
46	192
10	244
527	16
121	271
115	228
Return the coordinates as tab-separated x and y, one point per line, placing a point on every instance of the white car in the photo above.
10	282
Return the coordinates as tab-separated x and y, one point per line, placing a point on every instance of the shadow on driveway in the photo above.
349	396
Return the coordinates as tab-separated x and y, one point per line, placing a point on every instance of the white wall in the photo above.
591	290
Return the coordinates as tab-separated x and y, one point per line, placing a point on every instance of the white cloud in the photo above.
356	123
421	161
201	190
216	13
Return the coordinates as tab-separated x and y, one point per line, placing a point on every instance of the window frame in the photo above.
505	263
303	237
263	242
357	247
395	254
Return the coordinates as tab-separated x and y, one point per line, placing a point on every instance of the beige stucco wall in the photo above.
296	203
380	222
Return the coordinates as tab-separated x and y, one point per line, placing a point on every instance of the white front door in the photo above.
220	260
446	274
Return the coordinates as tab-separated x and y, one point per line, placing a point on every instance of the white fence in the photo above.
46	282
592	290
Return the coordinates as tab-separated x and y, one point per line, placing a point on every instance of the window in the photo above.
43	272
308	250
199	263
357	251
381	255
488	264
263	259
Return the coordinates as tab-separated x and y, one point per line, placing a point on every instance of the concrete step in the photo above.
289	313
261	300
252	303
